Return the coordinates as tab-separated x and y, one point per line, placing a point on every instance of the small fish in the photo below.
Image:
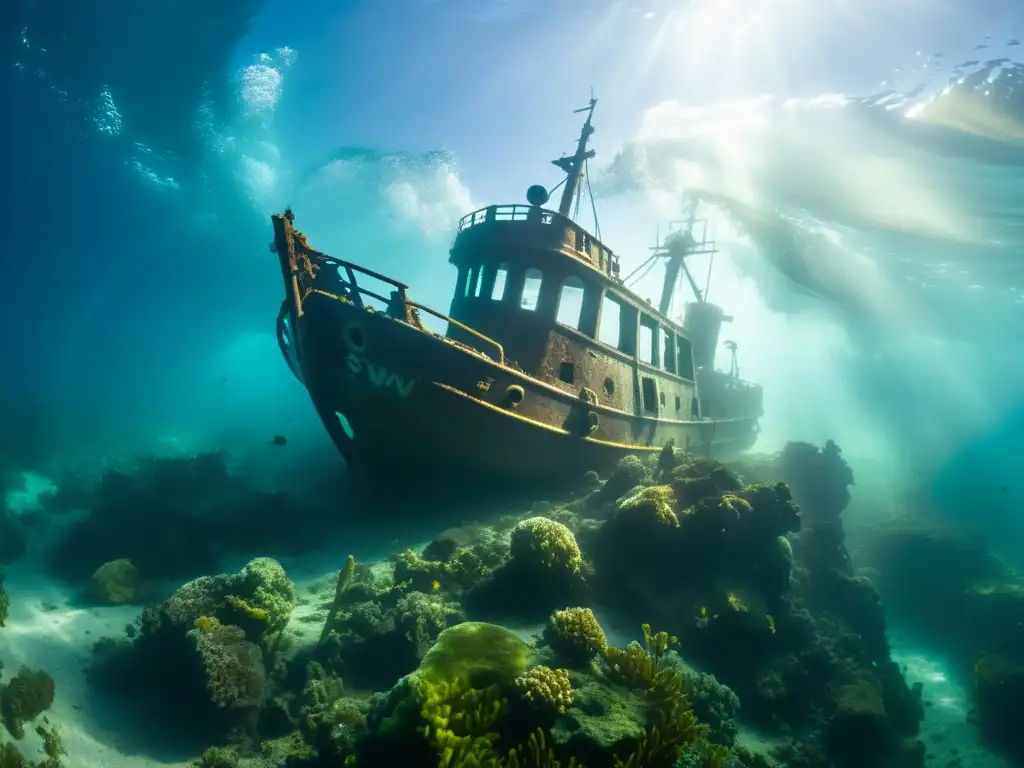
279	440
1004	488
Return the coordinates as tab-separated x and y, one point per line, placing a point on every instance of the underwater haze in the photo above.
862	165
866	191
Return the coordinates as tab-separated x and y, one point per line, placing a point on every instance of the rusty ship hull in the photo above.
408	408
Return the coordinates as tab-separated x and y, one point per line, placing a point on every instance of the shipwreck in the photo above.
545	366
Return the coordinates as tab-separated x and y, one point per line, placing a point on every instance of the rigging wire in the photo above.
555	188
650	259
650	265
707	283
593	201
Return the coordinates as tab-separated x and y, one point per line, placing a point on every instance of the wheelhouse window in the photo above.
684	357
617	326
649	394
668	348
649	337
608	331
500	282
570	303
473	282
531	290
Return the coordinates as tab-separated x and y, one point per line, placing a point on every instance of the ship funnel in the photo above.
703	323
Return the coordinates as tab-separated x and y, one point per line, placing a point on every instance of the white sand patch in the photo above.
45	632
948	737
25	497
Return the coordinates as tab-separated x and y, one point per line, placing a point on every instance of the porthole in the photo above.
354	337
514	396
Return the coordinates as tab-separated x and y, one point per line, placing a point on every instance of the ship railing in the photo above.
582	243
398	306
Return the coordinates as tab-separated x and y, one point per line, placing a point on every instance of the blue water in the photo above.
863	183
871	235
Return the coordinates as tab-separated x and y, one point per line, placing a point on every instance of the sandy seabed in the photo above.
46	631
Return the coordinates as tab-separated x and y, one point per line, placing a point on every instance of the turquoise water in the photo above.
869	216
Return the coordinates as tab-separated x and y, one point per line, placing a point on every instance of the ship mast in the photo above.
573	165
677	247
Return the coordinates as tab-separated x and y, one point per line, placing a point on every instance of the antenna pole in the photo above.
573	165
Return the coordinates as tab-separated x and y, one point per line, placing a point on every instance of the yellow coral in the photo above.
206	623
736	604
674	727
459	721
535	754
548	542
733	503
656	501
549	686
258	614
575	635
635	665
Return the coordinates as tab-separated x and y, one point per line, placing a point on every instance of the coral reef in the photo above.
378	630
24	698
745	568
544	569
115	582
575	636
477	704
203	655
173	518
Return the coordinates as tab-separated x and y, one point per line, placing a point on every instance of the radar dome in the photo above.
536	195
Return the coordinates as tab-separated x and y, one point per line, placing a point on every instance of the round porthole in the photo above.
593	422
514	396
354	337
609	386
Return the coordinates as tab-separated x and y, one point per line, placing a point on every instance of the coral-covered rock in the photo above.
545	569
629	473
116	582
547	688
482	654
259	599
677	545
233	667
24	698
716	705
202	656
539	544
575	636
601	720
858	733
378	631
999	693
